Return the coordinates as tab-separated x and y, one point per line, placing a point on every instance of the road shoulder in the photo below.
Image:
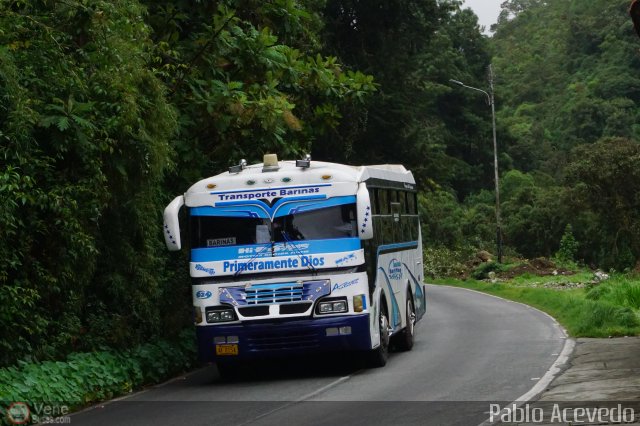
602	374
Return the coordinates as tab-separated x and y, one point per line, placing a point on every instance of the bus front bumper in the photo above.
283	338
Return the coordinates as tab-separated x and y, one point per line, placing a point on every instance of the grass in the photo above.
608	309
621	291
529	280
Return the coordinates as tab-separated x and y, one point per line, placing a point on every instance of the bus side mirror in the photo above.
365	217
171	229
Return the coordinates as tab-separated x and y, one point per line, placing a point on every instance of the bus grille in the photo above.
280	342
268	294
274	293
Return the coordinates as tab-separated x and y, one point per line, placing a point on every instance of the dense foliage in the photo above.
108	109
567	79
568	88
413	48
85	378
86	132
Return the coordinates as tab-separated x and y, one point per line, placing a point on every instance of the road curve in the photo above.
471	349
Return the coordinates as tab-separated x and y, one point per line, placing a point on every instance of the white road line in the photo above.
310	395
539	387
301	399
325	388
551	373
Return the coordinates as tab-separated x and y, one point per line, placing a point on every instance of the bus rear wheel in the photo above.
405	339
379	356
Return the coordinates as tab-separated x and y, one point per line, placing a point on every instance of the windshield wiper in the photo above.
300	254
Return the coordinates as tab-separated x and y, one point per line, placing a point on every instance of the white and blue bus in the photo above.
291	257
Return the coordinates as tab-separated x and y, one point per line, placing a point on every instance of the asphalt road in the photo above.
471	350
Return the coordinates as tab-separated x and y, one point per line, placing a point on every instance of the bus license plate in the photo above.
226	349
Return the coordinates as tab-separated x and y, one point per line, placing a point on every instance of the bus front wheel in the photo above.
379	356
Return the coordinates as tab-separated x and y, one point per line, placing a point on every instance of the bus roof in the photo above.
253	176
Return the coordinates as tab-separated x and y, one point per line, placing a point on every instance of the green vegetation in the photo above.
84	378
532	280
109	109
412	48
568	246
483	270
611	308
567	114
623	291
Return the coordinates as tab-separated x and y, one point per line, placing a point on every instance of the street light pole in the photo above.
491	101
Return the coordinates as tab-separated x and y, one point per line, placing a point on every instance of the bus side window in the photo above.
403	203
396	222
386	234
393	198
411	203
413	197
404	220
383	201
378	226
375	209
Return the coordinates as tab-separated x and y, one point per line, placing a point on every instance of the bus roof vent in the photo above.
305	163
270	163
240	167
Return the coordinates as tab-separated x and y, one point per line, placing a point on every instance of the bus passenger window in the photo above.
375	207
383	201
411	197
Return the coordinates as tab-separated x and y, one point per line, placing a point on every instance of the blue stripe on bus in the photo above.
398	246
283	207
306	207
233	211
337	245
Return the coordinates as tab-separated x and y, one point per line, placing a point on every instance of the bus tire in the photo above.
405	339
379	356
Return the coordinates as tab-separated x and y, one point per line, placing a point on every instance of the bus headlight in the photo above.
219	314
334	306
340	306
326	308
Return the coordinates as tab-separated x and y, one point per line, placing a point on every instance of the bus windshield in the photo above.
324	223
